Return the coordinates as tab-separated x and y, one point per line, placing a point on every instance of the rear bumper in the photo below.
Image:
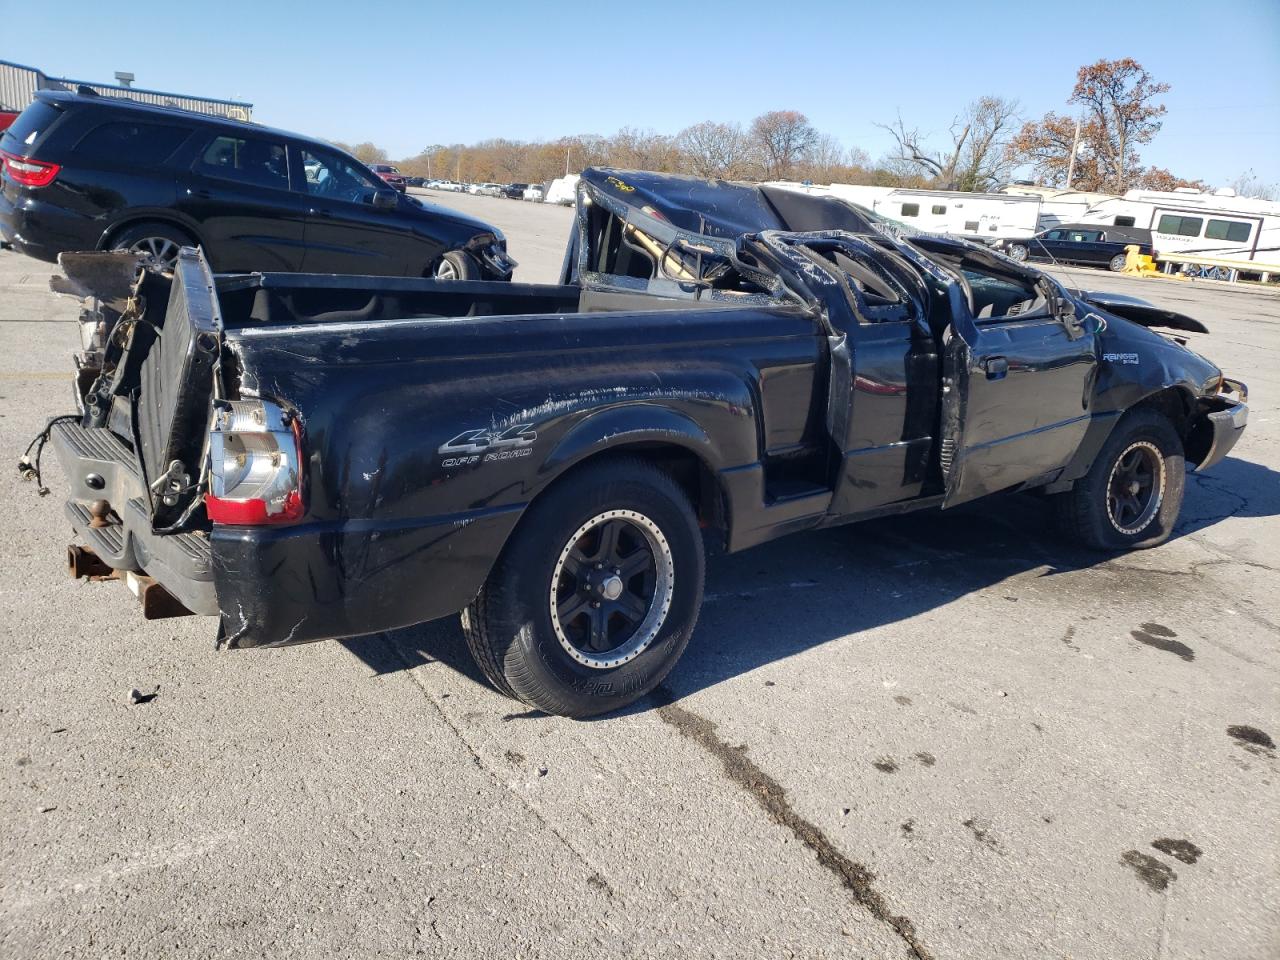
43	230
279	585
100	467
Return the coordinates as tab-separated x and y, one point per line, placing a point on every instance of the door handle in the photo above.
996	367
200	194
317	212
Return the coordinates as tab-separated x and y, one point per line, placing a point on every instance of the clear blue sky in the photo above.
406	75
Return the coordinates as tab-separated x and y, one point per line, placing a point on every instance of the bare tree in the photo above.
782	138
977	157
1248	184
713	149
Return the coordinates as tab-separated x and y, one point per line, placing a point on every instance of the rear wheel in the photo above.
1117	262
456	265
594	598
158	242
1132	495
1019	252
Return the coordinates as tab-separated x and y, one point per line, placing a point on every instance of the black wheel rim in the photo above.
611	589
1136	488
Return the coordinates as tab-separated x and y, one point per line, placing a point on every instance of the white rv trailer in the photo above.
1057	206
1186	221
978	215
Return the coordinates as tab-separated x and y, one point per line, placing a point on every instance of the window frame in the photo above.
199	167
1181	218
300	150
101	157
914	209
1248	234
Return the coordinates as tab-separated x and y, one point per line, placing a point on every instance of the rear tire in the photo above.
1019	252
158	241
1131	497
457	265
594	598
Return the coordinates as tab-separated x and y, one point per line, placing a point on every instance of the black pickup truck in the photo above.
318	456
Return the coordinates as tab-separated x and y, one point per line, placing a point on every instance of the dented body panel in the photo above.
793	363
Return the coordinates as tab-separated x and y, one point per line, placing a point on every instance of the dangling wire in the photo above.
29	468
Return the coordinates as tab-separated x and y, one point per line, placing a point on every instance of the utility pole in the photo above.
1071	164
566	160
428	166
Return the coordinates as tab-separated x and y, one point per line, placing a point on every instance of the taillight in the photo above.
255	452
28	172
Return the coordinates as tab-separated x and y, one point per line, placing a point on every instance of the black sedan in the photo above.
1091	244
83	172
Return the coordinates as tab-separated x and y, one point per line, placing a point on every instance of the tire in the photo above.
160	241
1117	262
546	659
456	265
1019	252
1105	510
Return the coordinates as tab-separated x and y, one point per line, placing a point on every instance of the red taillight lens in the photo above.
255	454
28	172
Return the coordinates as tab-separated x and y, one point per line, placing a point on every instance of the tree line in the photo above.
1115	108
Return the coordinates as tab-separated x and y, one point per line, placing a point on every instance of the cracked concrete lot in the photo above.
944	736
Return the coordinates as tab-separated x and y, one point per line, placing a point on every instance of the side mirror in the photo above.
385	199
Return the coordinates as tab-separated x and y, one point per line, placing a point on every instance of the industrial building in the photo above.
18	86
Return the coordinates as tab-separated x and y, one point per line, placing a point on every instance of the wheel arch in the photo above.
678	457
1174	402
134	219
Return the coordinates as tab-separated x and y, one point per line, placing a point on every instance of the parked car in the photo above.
533	192
514	191
97	173
308	458
415	181
1086	243
390	176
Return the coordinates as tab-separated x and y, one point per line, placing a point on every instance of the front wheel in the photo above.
1019	252
1132	495
456	265
1118	262
595	596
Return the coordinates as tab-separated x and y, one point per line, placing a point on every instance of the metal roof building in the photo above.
18	86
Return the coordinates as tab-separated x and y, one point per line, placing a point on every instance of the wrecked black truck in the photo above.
318	456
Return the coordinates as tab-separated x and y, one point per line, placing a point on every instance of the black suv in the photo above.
83	172
1093	244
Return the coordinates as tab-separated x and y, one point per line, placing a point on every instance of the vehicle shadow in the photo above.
780	599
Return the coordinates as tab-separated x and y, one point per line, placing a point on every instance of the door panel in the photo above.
345	233
237	190
882	391
1016	396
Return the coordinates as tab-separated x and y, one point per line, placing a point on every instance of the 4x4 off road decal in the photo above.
485	445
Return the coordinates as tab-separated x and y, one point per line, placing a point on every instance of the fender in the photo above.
1099	430
634	423
147	215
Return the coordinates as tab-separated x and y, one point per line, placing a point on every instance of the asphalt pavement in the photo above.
944	736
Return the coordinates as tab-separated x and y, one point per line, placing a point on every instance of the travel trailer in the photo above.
1186	221
979	216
